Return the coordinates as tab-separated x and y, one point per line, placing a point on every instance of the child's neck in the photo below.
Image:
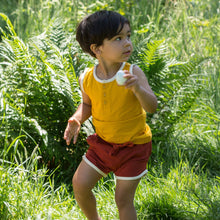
105	71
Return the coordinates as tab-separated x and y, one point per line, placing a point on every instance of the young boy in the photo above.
122	142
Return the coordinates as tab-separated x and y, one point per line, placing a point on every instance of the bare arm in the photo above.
82	113
139	85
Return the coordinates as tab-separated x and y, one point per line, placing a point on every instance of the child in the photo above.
122	142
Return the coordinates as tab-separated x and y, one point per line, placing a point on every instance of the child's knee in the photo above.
79	184
123	201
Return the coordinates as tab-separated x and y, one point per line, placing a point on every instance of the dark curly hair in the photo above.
96	27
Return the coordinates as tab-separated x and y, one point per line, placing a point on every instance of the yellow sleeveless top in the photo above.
117	115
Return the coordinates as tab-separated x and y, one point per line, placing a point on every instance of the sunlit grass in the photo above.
181	194
184	176
29	194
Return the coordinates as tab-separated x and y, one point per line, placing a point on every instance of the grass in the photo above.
184	176
181	194
29	193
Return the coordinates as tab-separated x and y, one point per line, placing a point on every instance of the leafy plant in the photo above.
176	84
28	191
181	194
39	92
40	62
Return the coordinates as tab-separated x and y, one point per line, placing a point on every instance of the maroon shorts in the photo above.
128	161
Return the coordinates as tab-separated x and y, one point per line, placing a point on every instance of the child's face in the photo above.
119	48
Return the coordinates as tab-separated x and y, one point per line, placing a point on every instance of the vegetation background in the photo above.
177	45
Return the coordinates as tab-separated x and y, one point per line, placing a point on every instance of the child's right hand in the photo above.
72	130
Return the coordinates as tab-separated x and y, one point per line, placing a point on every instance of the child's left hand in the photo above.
131	82
139	85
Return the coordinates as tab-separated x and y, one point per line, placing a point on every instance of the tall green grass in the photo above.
176	44
28	192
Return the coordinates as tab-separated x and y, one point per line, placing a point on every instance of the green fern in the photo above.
40	90
9	25
172	83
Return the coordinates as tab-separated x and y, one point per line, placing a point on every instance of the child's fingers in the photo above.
130	82
68	139
72	131
76	135
75	138
67	136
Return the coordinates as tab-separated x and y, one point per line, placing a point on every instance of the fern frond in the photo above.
6	53
177	97
35	126
56	34
9	25
171	81
61	73
149	55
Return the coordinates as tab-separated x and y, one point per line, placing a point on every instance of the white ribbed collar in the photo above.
106	80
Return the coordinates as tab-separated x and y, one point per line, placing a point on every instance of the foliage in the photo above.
44	90
180	195
27	191
170	80
177	86
39	91
40	62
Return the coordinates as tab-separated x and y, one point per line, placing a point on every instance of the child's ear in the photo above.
95	49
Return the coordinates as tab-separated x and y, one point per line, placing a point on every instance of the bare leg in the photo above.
124	197
84	180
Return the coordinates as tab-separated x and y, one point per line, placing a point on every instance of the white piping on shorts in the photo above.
117	177
93	166
132	178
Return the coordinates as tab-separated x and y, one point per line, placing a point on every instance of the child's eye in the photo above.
128	36
118	38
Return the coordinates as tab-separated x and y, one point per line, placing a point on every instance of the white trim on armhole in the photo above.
131	68
82	78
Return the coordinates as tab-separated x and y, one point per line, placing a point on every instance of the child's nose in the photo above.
127	42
